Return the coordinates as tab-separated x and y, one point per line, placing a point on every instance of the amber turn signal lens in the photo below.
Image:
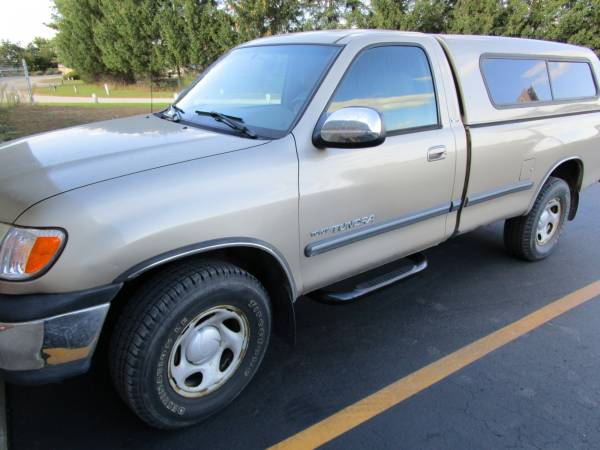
28	252
42	252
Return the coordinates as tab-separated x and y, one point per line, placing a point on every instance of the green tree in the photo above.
256	18
11	54
580	24
512	18
40	54
75	21
192	34
358	14
128	37
477	17
430	16
132	38
332	14
541	19
171	20
388	14
209	32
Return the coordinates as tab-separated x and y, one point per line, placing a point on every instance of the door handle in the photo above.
436	153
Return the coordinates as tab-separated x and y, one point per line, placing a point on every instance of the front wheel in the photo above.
535	236
189	341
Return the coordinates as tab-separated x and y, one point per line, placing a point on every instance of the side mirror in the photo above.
351	127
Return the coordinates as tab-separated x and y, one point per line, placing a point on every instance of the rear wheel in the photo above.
189	341
536	235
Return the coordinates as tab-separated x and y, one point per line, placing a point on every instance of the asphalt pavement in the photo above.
540	391
3	436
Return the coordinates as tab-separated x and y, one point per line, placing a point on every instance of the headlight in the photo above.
27	252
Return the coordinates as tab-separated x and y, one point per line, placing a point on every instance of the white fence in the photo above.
10	71
15	85
8	75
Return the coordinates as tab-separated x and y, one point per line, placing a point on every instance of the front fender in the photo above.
121	223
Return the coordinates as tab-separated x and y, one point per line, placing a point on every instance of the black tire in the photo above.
158	313
521	238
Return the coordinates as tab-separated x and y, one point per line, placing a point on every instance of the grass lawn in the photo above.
145	106
6	130
24	120
81	89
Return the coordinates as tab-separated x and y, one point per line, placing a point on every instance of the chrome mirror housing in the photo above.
350	127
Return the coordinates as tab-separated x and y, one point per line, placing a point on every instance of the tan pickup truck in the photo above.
316	164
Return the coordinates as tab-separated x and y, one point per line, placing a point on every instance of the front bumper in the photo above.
44	349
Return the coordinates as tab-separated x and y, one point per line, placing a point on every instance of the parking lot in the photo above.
541	390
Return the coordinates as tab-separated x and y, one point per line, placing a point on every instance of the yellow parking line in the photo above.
367	408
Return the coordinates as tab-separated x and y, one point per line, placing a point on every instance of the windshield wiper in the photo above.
173	113
234	122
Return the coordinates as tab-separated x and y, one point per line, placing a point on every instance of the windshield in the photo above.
266	87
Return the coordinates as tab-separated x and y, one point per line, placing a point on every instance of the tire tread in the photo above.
142	315
518	230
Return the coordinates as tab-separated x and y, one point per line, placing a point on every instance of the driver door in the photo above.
363	207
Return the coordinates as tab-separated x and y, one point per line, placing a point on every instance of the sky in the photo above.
22	20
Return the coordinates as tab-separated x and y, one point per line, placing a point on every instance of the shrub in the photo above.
72	74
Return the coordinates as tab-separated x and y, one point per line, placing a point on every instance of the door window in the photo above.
396	81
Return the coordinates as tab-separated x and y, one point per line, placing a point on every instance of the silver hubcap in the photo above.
208	351
549	221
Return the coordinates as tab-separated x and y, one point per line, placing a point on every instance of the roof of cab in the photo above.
323	37
343	36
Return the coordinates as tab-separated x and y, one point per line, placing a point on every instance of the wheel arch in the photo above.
571	171
257	257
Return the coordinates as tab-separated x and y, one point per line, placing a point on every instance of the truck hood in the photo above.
41	166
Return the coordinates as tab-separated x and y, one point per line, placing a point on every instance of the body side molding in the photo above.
491	195
456	205
332	243
325	245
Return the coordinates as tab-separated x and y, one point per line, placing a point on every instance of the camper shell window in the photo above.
513	81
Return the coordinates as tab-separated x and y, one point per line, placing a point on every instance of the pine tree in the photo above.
256	18
388	14
477	17
513	18
580	24
75	21
173	51
429	16
128	36
209	32
332	14
132	38
542	19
